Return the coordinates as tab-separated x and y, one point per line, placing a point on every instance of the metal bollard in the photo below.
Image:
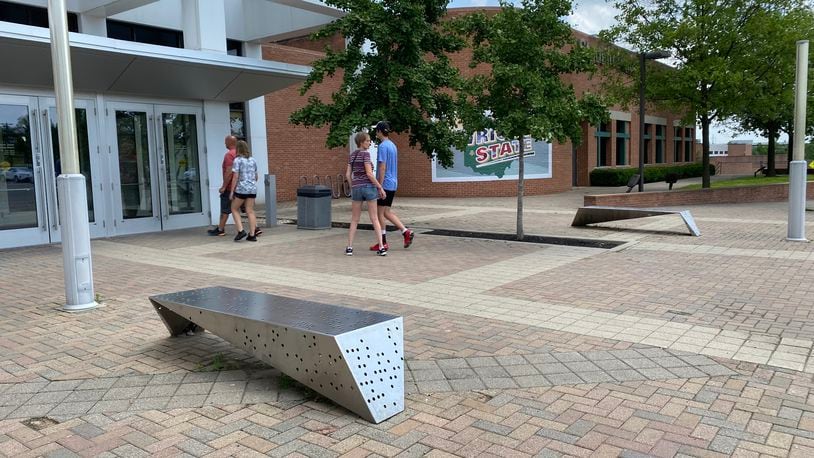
271	200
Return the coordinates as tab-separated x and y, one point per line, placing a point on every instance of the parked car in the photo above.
19	174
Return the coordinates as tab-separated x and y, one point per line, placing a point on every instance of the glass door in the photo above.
23	204
180	173
89	163
135	191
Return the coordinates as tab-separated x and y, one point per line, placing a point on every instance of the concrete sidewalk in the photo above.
669	345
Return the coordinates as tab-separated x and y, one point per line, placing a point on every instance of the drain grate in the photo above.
546	239
39	423
679	312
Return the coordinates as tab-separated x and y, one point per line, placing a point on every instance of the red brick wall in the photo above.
296	151
765	193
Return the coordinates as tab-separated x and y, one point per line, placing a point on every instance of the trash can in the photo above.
314	207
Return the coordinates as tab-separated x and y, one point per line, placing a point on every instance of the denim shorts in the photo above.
363	193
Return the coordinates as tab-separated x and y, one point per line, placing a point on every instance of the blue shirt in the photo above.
388	155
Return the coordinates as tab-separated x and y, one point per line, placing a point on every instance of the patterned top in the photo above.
357	161
246	169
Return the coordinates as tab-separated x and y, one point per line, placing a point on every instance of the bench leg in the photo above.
175	323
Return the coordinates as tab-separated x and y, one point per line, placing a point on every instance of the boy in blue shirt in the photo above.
388	177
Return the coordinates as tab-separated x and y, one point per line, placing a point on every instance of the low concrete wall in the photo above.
744	165
764	193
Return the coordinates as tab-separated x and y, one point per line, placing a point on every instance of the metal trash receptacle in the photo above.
314	207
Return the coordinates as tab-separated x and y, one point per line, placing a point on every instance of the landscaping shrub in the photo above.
618	176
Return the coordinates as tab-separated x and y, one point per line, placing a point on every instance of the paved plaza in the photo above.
667	345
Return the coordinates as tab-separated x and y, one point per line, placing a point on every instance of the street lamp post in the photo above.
797	167
642	57
71	191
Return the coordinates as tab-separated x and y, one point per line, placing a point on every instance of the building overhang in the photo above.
104	65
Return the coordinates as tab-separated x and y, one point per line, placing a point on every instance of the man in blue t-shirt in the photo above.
388	177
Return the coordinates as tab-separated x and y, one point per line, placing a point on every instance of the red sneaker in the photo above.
376	247
408	238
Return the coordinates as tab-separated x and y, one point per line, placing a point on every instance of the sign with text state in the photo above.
491	157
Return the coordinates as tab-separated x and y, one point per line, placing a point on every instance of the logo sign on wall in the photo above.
491	157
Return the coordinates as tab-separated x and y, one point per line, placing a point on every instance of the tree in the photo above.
707	39
526	49
769	107
407	79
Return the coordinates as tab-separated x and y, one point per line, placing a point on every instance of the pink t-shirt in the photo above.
228	161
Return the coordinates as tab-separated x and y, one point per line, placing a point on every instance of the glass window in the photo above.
32	15
18	197
234	47
237	119
84	151
181	160
660	143
677	144
621	151
602	151
144	34
603	144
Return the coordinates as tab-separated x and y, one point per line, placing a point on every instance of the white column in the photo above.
256	127
93	25
216	128
798	166
204	25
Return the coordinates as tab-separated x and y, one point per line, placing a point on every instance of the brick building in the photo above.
296	151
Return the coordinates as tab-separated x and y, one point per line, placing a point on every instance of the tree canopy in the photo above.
407	78
708	41
769	108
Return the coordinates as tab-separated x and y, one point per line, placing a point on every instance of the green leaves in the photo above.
714	44
407	78
527	49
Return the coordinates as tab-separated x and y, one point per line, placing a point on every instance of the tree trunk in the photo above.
705	121
770	166
521	184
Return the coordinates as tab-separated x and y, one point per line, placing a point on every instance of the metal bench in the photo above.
597	214
353	357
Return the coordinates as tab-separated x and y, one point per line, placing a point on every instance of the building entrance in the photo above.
147	177
157	179
30	162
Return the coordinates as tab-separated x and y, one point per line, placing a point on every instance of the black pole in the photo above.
641	122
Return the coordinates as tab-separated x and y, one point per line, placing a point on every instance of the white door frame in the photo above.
97	227
151	223
37	234
177	221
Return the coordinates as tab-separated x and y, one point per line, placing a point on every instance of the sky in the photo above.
591	16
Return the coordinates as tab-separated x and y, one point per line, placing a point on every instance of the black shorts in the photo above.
388	199
225	203
245	196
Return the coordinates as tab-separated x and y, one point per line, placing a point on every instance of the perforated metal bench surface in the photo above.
598	214
353	357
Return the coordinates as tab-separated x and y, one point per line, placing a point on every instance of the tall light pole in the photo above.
797	167
642	57
73	203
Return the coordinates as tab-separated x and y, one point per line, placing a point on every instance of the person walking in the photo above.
388	176
244	191
225	203
364	188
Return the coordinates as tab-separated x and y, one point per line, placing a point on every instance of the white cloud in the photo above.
592	16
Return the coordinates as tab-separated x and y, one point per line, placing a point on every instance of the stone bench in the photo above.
597	214
353	357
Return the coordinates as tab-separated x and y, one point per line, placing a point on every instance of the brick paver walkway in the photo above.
666	346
